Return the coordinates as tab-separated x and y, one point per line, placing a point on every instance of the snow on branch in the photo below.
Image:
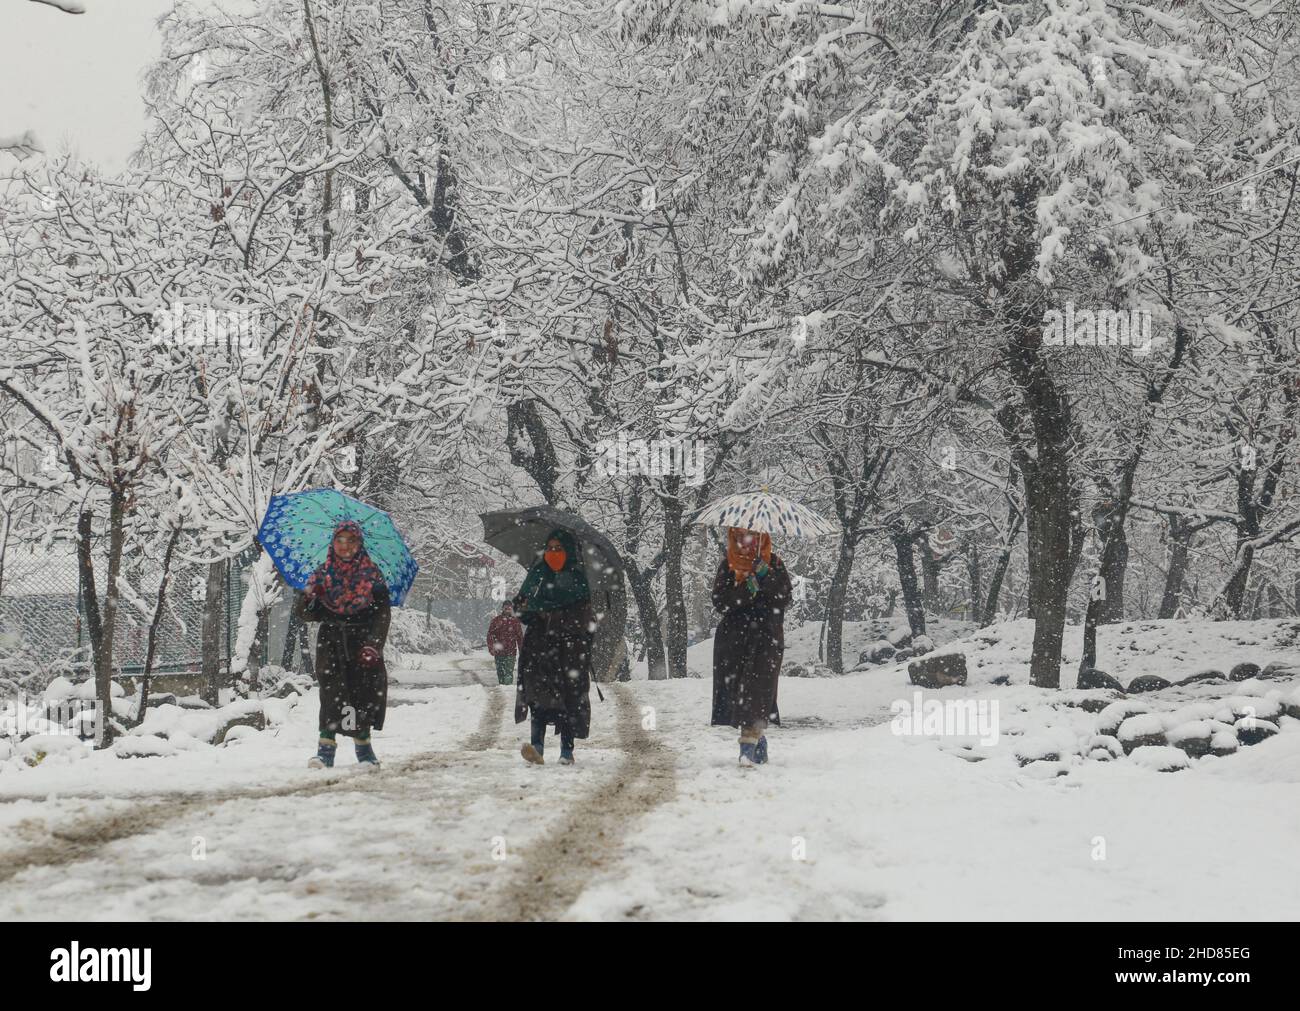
67	6
22	145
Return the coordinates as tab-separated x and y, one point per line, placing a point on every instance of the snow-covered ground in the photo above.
850	819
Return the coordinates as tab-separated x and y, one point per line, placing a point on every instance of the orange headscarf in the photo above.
740	557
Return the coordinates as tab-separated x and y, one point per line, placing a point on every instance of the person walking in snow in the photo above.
554	603
349	597
752	590
504	633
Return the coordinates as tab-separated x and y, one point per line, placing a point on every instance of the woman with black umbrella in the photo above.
554	681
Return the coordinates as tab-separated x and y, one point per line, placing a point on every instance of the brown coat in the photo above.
555	665
352	697
748	646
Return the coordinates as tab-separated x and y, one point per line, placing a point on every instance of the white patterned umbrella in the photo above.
764	512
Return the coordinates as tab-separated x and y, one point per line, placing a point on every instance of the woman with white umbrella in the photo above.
752	589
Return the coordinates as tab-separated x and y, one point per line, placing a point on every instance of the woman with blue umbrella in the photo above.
367	569
348	596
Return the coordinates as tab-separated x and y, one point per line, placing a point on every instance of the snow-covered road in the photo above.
655	821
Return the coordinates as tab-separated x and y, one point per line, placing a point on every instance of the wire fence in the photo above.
43	621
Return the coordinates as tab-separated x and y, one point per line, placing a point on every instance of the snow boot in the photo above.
760	751
366	754
532	753
747	756
324	757
566	756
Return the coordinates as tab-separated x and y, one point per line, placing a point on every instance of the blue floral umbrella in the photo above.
297	529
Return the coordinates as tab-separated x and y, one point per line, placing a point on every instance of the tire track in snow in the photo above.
86	836
559	865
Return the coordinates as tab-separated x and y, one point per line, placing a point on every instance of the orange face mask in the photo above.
555	559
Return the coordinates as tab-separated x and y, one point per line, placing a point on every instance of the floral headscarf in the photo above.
349	585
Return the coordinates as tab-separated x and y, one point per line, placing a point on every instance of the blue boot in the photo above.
366	754
747	757
760	751
324	758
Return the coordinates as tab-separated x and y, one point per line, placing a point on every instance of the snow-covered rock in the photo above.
143	746
1052	745
1244	672
1093	678
1110	718
1110	746
877	652
811	669
899	638
1223	743
1260	707
1252	731
938	671
1147	683
1141	731
1193	738
1160	759
39	746
58	689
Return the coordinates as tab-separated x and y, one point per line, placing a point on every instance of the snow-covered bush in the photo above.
408	634
26	671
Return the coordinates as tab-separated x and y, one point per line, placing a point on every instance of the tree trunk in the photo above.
976	582
159	605
1233	595
647	615
86	578
1015	520
211	632
1112	571
1047	496
1051	497
839	591
536	456
108	620
1180	542
907	581
674	597
931	569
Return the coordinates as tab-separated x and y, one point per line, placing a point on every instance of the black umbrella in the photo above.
522	533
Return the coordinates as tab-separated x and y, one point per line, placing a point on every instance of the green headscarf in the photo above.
544	590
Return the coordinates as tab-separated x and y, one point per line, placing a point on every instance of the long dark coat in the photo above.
555	665
748	646
344	682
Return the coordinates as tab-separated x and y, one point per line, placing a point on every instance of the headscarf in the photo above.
544	590
741	558
349	585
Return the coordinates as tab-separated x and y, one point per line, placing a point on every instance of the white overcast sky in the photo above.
75	79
